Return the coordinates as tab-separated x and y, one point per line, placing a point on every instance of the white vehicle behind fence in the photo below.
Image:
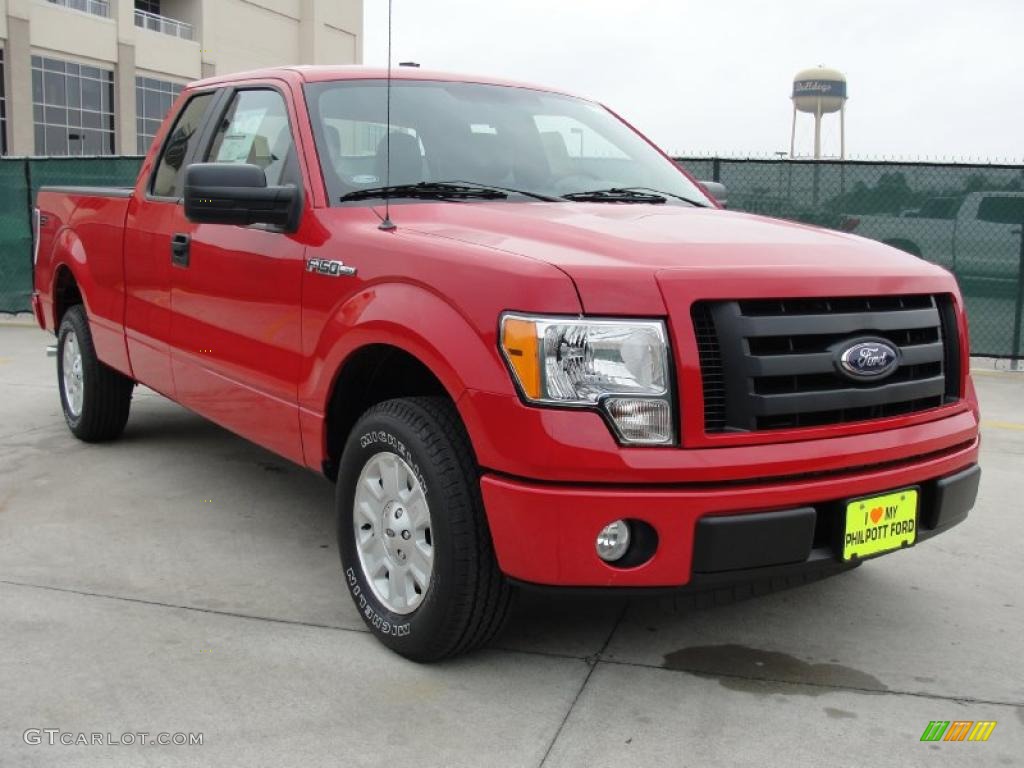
980	238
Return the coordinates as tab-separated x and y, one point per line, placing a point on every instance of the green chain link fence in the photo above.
15	237
967	218
20	180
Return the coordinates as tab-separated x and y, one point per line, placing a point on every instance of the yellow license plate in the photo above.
880	524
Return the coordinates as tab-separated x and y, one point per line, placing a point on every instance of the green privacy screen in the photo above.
20	179
967	218
15	238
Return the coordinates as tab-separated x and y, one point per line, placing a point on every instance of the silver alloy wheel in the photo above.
392	529
73	379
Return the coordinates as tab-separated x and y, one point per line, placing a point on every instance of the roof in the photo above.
321	73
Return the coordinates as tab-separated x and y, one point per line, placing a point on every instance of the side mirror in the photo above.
717	190
237	193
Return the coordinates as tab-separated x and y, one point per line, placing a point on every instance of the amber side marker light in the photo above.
520	344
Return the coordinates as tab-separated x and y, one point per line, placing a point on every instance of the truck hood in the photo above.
621	256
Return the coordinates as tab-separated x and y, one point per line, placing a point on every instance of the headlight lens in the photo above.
619	366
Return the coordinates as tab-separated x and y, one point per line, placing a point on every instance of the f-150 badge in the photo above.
329	268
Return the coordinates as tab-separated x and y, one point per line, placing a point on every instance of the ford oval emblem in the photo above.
868	359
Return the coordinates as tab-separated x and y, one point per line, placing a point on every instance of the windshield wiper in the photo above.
691	201
616	195
629	195
510	190
436	190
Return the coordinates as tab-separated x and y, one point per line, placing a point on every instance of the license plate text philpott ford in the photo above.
880	524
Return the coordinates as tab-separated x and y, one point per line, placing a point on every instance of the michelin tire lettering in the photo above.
387	439
379	623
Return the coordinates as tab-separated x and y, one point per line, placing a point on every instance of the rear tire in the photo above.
94	397
415	547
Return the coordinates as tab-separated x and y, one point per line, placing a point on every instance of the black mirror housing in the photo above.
237	193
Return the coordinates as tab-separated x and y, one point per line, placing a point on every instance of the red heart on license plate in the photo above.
876	514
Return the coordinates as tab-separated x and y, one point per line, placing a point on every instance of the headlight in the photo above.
618	366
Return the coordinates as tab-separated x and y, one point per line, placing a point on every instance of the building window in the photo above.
72	108
153	100
3	108
149	6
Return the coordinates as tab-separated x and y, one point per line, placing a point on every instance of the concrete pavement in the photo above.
184	580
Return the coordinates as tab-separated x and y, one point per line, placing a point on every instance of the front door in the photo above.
236	291
154	215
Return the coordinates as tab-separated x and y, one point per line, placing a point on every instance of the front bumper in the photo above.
544	533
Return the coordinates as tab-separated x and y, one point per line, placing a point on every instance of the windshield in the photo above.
540	143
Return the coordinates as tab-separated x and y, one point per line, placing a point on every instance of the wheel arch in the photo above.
71	278
396	340
65	292
370	375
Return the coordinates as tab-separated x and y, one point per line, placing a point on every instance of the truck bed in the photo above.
81	234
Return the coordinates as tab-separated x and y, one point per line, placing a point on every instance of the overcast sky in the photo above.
936	78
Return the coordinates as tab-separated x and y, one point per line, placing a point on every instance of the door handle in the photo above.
179	250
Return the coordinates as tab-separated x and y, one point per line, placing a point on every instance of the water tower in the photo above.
820	91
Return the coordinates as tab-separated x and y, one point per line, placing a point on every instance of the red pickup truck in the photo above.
529	348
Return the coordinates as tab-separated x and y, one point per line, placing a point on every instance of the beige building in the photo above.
96	77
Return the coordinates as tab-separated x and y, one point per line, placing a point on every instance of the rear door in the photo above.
155	214
237	294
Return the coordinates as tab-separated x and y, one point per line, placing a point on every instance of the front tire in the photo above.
95	398
412	533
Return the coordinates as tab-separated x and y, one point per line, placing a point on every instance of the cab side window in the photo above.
255	130
1003	209
170	171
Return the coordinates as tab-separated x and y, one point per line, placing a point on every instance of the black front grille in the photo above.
771	364
710	369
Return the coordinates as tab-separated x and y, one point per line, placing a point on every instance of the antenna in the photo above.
387	224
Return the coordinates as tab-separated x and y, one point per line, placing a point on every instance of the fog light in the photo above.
613	541
645	421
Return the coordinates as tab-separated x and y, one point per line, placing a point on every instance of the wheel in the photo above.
415	547
95	398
